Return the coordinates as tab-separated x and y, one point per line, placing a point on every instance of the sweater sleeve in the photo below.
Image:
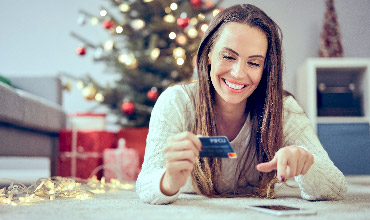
323	181
167	118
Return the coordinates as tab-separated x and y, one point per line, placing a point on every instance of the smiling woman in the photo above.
239	94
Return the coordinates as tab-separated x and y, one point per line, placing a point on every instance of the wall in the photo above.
35	38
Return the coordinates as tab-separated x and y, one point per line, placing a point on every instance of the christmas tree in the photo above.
330	42
152	46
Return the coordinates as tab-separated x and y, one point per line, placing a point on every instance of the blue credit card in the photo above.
216	146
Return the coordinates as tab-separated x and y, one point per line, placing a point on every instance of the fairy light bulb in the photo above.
124	7
119	29
173	6
103	13
172	35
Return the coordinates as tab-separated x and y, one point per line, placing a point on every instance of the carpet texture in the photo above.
126	205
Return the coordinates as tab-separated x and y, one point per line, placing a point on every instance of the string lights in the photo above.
57	188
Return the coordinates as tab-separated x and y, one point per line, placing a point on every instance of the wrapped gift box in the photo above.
121	163
80	152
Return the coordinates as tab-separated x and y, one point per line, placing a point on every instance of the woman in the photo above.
239	94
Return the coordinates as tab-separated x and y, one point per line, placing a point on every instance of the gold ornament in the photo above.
67	86
89	92
99	97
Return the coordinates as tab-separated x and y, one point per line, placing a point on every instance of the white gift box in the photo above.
88	121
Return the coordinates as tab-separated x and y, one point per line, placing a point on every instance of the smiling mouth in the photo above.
234	86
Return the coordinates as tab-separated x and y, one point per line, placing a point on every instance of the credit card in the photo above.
216	146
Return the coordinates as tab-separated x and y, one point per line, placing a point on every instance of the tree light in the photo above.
173	6
192	33
172	35
119	29
204	27
94	20
155	53
169	18
103	13
124	7
180	61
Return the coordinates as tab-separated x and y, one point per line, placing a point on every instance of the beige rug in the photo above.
125	205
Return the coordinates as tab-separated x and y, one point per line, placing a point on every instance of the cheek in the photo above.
256	77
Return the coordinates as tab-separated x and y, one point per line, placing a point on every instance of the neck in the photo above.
230	118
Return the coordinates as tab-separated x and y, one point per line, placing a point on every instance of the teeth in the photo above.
234	86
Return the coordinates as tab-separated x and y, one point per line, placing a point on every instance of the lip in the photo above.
234	82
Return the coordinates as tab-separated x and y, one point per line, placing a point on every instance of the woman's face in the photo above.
237	62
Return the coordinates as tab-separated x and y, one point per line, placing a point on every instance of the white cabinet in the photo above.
335	90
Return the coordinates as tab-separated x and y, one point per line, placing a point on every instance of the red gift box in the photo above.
80	152
121	163
135	138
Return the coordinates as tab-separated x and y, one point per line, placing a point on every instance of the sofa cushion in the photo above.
26	110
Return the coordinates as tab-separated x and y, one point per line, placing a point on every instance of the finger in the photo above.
188	136
182	146
268	166
180	156
308	164
292	164
178	166
282	164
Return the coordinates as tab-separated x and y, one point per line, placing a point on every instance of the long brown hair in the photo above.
264	105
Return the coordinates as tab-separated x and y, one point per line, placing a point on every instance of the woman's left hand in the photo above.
289	161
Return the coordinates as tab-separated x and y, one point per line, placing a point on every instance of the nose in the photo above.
238	70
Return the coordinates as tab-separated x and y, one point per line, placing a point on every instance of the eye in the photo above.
254	64
227	57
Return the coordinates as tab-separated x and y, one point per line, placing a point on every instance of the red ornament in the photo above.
128	108
153	94
81	51
108	24
183	22
196	3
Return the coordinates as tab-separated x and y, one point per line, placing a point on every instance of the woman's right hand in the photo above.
180	153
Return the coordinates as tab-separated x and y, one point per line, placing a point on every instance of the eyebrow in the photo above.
236	53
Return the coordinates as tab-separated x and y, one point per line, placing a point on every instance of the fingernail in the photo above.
282	179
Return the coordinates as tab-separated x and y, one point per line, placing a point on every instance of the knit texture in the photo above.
173	113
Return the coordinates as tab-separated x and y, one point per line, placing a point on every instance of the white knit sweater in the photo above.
173	113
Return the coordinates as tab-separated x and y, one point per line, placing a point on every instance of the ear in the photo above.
209	59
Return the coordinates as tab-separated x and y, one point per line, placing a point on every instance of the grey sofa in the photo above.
31	116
